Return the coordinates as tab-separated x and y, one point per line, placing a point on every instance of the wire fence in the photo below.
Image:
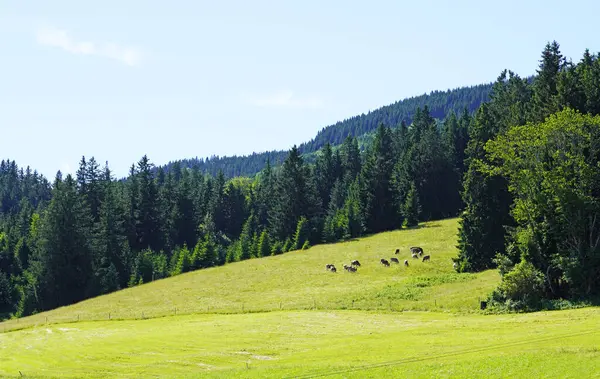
224	308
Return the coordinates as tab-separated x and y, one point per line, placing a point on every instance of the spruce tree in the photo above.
65	253
412	207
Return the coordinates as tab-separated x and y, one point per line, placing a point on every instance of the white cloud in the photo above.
284	99
54	37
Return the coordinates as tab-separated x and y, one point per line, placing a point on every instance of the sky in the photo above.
191	78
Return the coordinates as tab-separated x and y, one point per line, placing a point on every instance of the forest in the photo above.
521	171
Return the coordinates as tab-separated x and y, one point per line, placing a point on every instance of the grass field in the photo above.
286	316
559	344
298	281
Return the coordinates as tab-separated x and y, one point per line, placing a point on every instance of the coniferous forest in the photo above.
521	168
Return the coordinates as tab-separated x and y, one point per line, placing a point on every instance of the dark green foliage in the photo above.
65	253
379	212
6	301
412	208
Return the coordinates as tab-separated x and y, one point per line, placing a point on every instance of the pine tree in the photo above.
411	207
545	94
147	217
264	245
294	197
482	231
325	174
377	190
111	246
65	252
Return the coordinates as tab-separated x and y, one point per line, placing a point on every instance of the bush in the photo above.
522	288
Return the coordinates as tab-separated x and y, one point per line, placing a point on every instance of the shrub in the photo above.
521	288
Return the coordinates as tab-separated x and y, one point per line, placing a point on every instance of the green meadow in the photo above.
286	316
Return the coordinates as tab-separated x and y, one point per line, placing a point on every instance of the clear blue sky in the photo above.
184	78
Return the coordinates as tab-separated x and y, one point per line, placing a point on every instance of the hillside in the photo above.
298	280
440	104
420	321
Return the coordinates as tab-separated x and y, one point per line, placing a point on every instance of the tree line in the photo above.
532	184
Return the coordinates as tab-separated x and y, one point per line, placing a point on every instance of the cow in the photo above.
333	269
406	262
415	256
455	265
355	263
329	266
384	262
395	260
349	268
426	258
416	250
397	251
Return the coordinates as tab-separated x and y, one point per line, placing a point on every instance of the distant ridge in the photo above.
440	104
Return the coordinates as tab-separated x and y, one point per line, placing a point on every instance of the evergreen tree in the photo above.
376	178
264	245
65	252
412	207
482	232
545	94
147	217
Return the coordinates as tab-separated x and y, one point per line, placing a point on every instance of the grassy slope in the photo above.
300	342
298	280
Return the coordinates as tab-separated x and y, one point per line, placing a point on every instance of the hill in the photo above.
298	281
440	104
416	321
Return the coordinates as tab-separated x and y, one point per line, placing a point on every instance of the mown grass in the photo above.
345	344
298	281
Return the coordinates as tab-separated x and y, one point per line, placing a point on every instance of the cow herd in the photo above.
416	253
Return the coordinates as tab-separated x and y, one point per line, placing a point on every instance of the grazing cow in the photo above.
415	256
355	263
395	260
333	269
416	250
426	258
397	251
349	268
406	262
384	262
329	266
